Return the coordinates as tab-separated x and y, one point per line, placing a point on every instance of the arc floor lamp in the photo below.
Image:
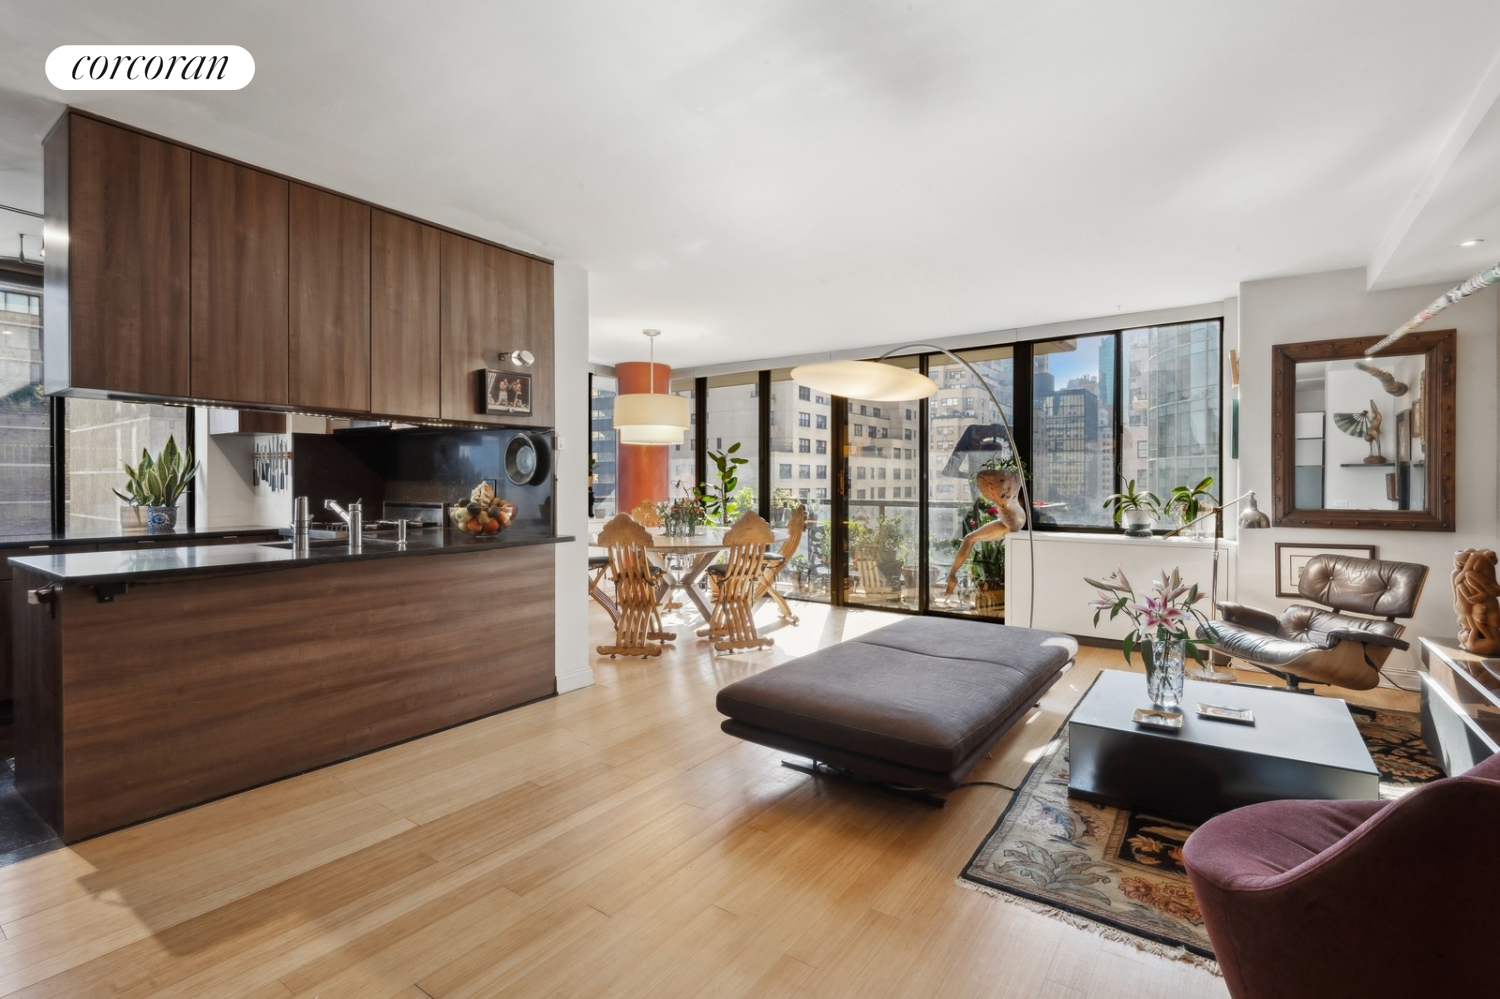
877	381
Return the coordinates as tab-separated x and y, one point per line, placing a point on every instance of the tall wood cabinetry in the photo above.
487	309
180	275
329	329
116	289
239	262
405	352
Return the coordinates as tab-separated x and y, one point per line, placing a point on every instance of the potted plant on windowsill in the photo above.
1135	511
1190	502
157	484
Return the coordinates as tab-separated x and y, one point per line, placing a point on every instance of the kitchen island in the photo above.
151	680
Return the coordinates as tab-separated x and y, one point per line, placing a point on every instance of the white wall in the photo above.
225	496
571	347
1336	304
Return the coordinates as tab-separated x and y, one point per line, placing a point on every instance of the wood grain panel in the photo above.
38	689
239	283
283	671
405	349
473	291
486	309
539	336
125	265
329	326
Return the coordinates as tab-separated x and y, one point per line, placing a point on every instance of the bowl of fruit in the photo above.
483	513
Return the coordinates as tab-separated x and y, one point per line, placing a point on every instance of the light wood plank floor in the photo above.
611	841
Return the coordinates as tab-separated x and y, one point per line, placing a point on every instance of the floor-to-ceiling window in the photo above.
964	433
683	464
25	414
1095	411
801	458
602	452
882	498
733	432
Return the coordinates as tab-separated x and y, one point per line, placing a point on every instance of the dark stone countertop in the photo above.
21	541
188	561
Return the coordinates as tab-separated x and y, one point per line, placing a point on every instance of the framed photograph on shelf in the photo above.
506	392
1292	559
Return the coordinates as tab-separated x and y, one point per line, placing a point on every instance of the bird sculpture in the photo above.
1385	378
1366	425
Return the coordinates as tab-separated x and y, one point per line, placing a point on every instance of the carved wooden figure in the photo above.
1476	600
1002	487
638	630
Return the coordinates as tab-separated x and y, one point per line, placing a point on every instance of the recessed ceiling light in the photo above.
1471	242
8	332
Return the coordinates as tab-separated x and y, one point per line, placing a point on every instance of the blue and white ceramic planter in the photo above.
161	519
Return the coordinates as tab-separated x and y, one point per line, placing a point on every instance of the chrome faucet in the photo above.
354	517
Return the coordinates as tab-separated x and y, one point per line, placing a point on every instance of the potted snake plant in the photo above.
157	484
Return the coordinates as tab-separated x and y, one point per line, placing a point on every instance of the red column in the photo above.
642	471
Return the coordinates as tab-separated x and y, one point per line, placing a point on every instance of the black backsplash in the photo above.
382	466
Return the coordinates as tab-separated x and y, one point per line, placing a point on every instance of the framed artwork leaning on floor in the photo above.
1291	559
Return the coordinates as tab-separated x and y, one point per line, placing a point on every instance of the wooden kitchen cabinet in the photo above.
239	283
329	325
116	288
539	334
486	309
188	277
405	351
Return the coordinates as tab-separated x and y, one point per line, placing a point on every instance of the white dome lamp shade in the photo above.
651	417
868	380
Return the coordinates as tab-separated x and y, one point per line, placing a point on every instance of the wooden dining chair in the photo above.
598	571
796	527
638	629
645	514
732	624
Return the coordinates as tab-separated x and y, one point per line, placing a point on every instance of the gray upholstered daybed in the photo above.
916	704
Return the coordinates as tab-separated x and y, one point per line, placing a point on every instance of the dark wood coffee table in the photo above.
1300	746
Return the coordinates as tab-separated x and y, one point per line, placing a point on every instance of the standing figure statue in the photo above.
1476	600
1372	435
1002	487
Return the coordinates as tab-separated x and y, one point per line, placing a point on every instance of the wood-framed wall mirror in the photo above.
1365	442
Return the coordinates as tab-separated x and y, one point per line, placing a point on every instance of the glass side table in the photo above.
1460	704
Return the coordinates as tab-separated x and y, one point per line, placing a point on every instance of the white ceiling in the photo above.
770	178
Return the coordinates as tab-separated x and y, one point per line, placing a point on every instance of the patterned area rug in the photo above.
1119	872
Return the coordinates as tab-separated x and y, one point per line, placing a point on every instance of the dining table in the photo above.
684	560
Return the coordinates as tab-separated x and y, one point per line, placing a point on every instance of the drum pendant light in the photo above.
651	417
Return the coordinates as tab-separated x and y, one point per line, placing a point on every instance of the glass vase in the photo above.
1164	669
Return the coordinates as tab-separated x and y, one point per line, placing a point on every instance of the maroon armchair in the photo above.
1356	898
